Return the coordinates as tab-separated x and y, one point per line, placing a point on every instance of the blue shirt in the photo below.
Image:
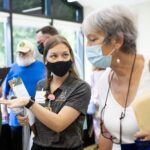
30	75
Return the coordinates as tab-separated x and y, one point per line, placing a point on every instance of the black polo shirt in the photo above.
74	93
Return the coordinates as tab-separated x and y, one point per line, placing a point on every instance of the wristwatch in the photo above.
30	103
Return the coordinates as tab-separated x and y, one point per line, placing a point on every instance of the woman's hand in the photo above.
23	120
145	135
18	102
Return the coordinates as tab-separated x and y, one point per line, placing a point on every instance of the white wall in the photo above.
143	11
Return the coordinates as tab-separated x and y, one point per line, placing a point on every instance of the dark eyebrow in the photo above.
52	53
66	51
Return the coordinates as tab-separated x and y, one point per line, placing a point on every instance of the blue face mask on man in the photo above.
41	48
96	57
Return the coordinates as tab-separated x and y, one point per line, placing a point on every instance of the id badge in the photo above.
40	97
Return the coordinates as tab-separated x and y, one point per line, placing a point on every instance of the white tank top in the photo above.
113	109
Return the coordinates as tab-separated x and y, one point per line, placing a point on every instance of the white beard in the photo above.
24	61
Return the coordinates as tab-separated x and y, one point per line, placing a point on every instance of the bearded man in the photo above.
30	71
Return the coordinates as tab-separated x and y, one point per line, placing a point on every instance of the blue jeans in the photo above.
138	145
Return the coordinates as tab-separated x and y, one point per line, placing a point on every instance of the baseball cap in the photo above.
25	46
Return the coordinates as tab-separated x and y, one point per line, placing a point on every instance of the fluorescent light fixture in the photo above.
31	9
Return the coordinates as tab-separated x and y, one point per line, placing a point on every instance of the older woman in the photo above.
111	42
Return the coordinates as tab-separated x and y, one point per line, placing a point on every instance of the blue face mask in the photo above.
96	57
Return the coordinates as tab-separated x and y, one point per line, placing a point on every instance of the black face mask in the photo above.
59	68
40	48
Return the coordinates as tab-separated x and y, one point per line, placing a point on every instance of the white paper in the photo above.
20	91
30	116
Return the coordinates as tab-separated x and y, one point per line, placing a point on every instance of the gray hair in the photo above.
113	21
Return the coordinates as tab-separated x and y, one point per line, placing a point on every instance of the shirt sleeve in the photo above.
80	97
41	85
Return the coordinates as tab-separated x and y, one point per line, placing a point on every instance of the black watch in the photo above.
30	103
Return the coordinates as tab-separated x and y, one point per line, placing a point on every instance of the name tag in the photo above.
40	97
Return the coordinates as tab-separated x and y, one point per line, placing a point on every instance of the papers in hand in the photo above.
20	90
141	107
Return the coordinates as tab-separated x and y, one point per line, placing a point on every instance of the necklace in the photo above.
126	100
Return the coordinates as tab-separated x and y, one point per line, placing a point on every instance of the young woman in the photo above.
60	118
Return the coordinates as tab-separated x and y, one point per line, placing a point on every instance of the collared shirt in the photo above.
73	93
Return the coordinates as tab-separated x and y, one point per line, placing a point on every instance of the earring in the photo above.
118	61
117	55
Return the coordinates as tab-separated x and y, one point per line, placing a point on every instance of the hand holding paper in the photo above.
20	90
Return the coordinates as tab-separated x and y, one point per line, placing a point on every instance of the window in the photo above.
31	7
2	49
4	38
55	9
4	5
66	11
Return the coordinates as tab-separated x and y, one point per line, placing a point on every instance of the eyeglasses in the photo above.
104	131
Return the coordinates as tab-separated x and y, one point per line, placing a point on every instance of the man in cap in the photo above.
30	71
